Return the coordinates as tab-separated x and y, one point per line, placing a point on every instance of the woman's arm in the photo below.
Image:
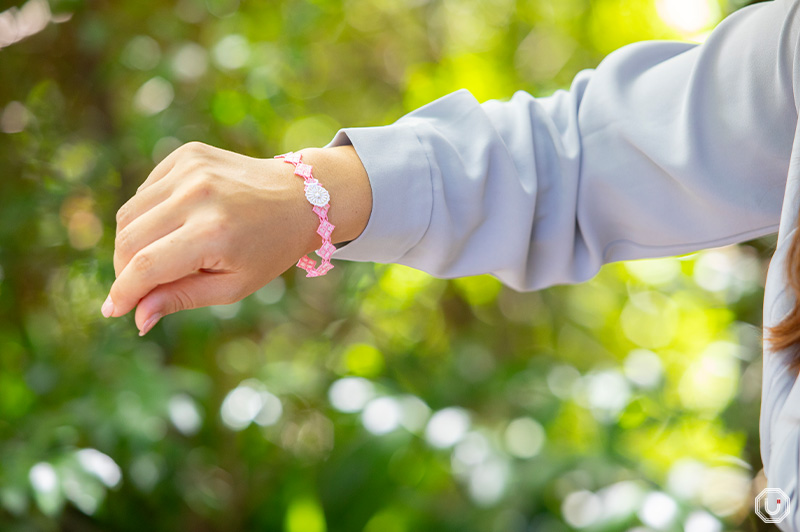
665	148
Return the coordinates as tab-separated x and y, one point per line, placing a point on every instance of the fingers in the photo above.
160	220
166	165
163	261
196	290
141	202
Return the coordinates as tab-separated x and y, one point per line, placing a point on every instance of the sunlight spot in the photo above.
415	413
561	380
271	410
190	62
226	312
487	481
250	402
184	414
620	499
15	117
726	490
524	437
154	96
701	521
145	471
163	147
43	477
231	52
447	427
643	368
654	271
142	53
607	393
86	497
685	478
381	415
581	508
658	511
100	465
272	292
350	394
471	451
688	16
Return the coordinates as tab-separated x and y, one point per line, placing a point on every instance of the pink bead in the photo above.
292	157
324	268
326	250
325	229
306	263
303	170
322	210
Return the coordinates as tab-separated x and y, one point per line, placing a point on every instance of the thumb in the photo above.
196	290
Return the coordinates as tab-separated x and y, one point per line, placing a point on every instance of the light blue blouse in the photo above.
665	148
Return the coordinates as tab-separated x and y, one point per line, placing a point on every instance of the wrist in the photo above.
340	171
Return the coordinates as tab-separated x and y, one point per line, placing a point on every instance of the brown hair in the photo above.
786	334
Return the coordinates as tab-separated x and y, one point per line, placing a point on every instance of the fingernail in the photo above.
151	321
108	307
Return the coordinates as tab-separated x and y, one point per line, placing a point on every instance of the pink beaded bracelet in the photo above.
319	197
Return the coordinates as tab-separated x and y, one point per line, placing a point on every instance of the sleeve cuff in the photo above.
402	191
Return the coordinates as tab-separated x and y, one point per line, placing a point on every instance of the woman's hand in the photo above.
210	227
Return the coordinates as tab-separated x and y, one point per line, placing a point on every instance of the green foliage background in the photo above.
600	406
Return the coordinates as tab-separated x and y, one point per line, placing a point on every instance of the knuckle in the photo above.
215	231
122	241
143	263
192	166
196	189
218	224
194	147
122	214
202	188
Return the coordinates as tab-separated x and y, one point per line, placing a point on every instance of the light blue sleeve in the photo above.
665	148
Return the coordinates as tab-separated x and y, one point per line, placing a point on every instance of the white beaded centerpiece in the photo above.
317	195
